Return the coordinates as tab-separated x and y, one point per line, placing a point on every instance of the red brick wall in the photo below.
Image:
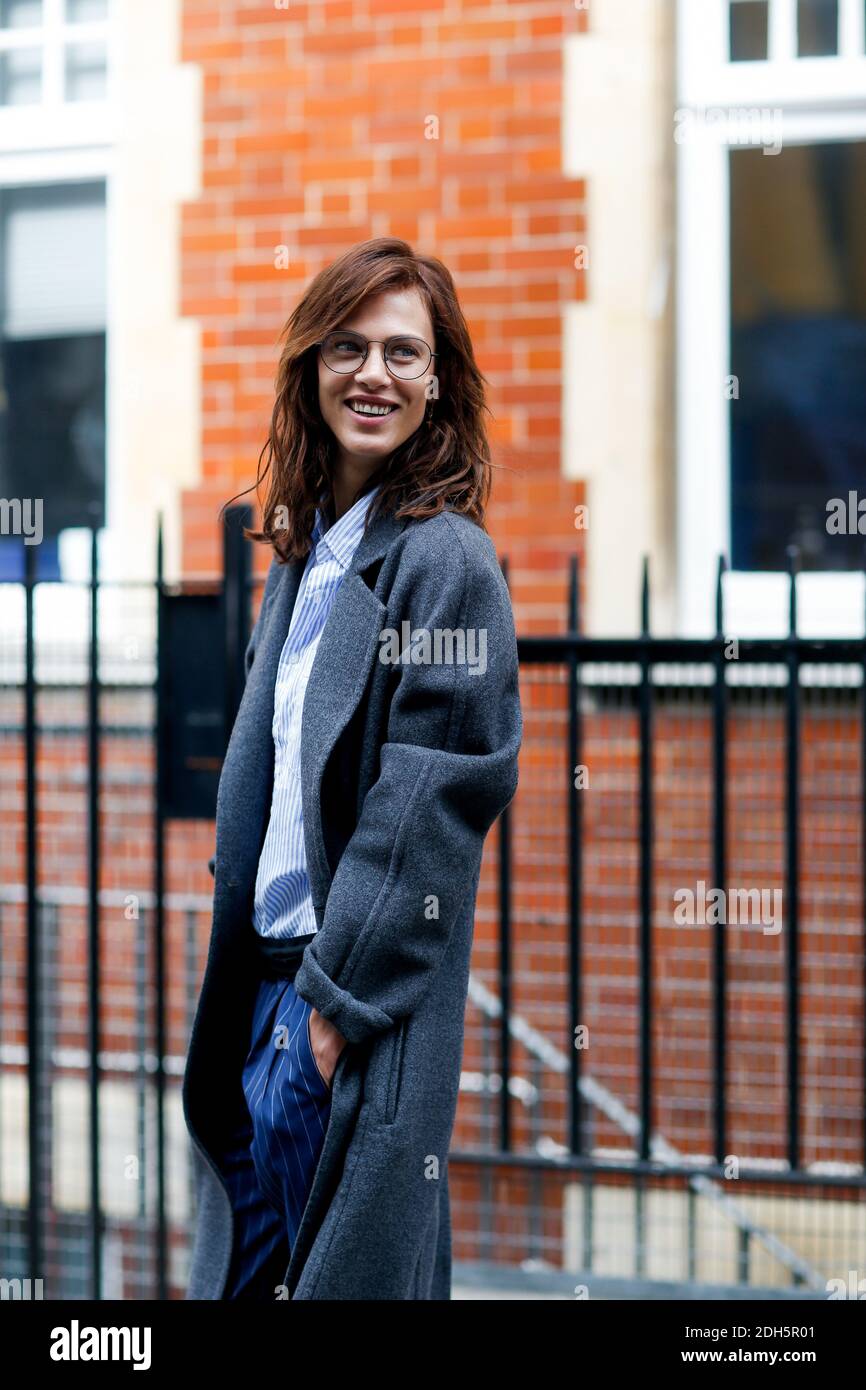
314	139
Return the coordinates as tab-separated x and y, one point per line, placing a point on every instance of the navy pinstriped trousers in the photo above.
270	1163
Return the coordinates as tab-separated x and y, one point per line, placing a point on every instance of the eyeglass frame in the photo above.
379	342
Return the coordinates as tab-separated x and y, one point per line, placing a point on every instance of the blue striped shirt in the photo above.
282	905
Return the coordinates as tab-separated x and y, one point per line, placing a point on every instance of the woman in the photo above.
376	742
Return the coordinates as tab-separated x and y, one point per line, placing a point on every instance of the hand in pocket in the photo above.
326	1044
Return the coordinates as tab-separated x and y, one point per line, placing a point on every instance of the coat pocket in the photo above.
395	1072
325	1085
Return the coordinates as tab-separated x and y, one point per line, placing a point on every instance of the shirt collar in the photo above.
342	539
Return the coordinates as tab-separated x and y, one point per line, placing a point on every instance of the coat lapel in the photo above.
346	651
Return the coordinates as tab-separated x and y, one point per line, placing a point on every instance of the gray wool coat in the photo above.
405	765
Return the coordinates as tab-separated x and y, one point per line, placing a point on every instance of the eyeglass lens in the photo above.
404	357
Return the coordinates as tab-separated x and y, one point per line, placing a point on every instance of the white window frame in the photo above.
53	123
54	142
721	106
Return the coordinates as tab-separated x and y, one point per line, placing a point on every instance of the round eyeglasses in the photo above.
404	357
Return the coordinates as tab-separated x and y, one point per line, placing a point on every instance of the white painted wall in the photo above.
154	390
617	384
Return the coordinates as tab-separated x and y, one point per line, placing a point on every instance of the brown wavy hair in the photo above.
445	463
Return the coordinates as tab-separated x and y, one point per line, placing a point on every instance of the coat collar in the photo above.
342	539
382	531
374	544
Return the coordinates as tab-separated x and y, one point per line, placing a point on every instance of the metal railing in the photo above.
730	673
173	923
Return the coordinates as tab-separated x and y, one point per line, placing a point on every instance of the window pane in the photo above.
52	351
20	76
85	72
798	353
749	21
54	444
20	14
817	28
54	251
80	11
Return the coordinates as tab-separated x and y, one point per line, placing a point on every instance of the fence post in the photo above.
94	978
160	759
645	726
35	1157
792	867
237	570
720	724
575	859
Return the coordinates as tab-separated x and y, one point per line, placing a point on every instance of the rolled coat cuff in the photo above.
356	1020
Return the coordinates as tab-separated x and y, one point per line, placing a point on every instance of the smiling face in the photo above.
366	439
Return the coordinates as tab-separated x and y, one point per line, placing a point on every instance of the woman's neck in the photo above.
350	480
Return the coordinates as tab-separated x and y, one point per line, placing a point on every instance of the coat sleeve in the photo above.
448	767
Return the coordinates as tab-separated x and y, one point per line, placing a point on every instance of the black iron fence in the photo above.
568	1159
667	695
171	711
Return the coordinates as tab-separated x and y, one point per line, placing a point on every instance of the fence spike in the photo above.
793	554
159	547
573	594
645	598
720	597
